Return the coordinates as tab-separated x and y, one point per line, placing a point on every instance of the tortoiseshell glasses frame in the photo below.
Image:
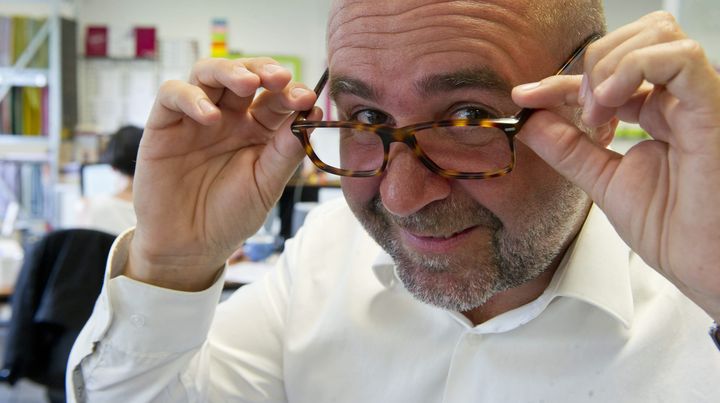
301	128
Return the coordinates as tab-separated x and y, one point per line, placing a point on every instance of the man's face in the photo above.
456	243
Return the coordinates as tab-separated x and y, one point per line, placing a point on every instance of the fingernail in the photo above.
584	87
298	92
587	107
273	68
529	86
206	106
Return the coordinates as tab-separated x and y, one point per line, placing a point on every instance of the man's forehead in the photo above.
426	24
396	7
556	25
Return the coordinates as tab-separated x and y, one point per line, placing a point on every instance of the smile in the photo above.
439	244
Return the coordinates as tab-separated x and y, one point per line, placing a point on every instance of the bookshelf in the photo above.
37	88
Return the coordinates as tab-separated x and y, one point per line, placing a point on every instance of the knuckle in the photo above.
663	15
205	60
666	30
169	85
207	66
265	60
296	84
261	60
602	70
591	53
200	64
691	48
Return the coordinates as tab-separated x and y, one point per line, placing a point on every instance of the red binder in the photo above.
96	41
145	44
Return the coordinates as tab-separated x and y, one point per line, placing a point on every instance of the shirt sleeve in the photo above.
161	345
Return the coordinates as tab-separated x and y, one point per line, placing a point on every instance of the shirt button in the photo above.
137	320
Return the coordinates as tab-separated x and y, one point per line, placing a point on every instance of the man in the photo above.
508	289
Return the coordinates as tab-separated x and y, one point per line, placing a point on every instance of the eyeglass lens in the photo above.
462	149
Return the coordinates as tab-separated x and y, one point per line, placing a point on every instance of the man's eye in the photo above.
371	117
472	113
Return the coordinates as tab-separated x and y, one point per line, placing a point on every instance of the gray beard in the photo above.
505	261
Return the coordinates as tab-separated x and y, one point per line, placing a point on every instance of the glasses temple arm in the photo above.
525	113
318	89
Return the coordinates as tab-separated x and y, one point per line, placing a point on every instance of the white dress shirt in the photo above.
332	323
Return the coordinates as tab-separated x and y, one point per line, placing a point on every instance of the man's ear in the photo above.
604	134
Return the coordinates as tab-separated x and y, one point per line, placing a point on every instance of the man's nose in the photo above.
407	185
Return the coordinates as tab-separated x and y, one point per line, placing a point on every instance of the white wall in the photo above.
284	27
622	12
700	19
297	27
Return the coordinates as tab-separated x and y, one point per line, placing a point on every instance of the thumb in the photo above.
571	152
280	158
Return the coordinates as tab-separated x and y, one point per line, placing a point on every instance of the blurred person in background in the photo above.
115	213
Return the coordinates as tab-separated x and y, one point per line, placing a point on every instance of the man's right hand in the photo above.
213	161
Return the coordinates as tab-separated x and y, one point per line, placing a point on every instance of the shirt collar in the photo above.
595	270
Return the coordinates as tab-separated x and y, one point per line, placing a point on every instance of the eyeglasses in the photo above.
457	148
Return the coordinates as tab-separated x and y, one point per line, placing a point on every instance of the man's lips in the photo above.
435	244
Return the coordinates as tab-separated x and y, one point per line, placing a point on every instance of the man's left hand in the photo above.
663	195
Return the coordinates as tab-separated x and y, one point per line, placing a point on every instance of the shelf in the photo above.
23	77
39	156
31	1
40	8
24	148
118	58
64	3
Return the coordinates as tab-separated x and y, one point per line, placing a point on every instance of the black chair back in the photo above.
60	279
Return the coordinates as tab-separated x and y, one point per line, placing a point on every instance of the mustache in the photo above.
441	217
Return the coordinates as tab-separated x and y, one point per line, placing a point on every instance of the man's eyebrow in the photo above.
342	85
477	78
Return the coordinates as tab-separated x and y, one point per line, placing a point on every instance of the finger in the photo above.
603	56
551	92
655	28
630	110
558	91
216	75
680	66
271	109
280	158
652	115
233	83
272	77
177	99
570	152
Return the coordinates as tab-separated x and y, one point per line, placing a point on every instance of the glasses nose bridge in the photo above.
398	135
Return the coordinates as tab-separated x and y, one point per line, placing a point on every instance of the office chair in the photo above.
58	284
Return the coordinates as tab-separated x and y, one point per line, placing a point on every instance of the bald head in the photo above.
561	24
566	23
